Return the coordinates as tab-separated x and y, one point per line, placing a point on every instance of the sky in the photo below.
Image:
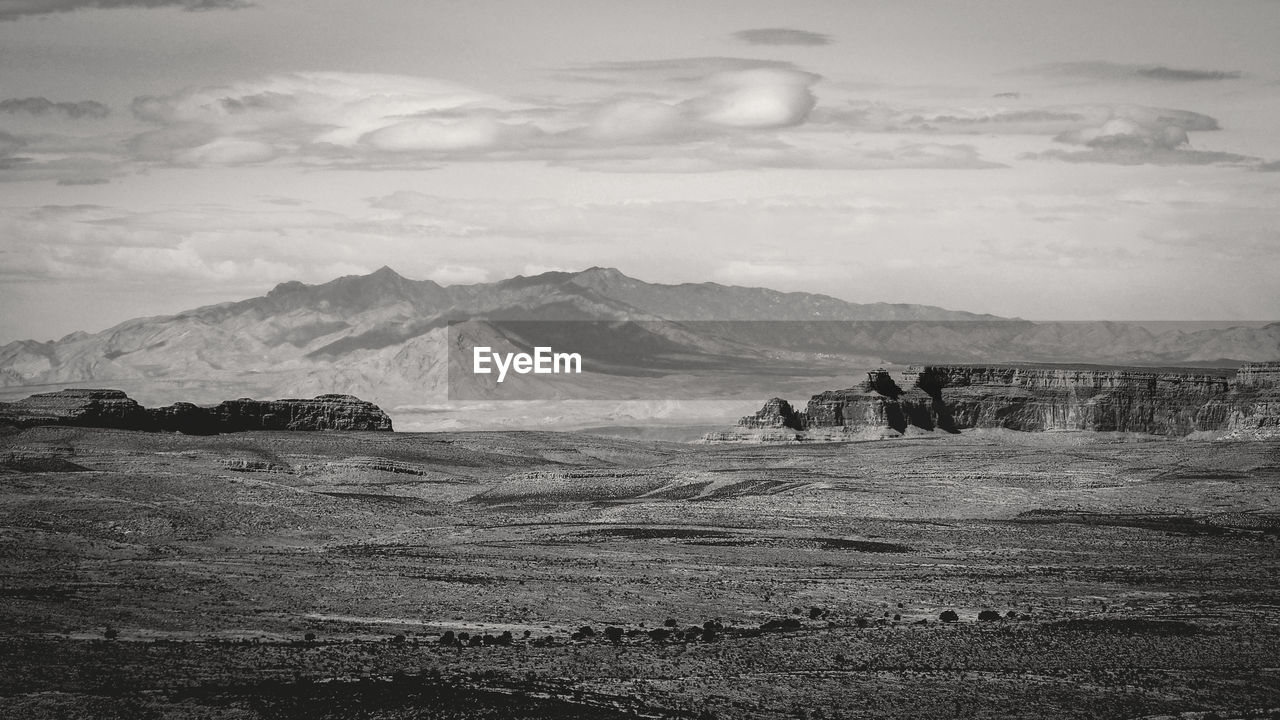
1037	159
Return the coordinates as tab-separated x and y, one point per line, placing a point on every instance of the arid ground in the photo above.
313	575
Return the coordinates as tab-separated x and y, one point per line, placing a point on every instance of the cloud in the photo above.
760	98
53	157
14	9
475	131
1116	134
375	121
227	151
1003	118
719	154
320	115
458	275
1109	71
44	106
627	120
1135	135
781	36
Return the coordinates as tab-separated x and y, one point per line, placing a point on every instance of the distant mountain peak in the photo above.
385	272
602	272
600	278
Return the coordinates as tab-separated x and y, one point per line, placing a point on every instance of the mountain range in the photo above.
384	338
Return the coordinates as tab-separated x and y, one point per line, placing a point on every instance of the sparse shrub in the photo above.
860	621
613	634
988	616
398	639
816	612
586	631
949	616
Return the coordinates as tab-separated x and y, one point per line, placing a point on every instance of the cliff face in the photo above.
114	409
958	397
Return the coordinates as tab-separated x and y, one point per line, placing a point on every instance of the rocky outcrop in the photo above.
776	413
326	412
83	408
1171	402
1259	375
114	409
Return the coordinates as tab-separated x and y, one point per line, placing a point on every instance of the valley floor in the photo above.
292	575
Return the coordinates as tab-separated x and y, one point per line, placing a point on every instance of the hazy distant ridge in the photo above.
382	336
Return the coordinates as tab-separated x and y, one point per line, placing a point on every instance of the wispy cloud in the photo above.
14	9
383	120
1110	71
44	106
781	36
679	115
55	158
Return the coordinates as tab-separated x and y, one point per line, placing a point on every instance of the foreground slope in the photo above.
1130	579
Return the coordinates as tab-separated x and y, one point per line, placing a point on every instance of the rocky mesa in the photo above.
114	409
953	398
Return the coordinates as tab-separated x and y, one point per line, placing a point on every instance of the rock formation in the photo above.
776	413
84	408
114	409
952	398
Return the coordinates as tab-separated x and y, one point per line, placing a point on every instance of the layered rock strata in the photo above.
952	398
114	409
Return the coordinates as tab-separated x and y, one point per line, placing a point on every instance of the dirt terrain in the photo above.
313	575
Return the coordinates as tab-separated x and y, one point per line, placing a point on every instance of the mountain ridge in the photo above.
384	337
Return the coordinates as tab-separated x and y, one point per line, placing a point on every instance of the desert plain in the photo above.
544	574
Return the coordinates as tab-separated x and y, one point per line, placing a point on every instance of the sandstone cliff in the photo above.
1035	398
114	409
